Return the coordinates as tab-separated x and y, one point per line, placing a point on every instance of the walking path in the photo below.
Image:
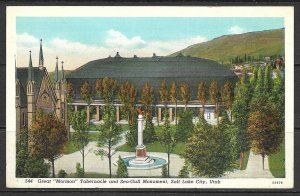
94	163
254	169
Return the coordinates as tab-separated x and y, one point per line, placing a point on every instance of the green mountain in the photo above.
260	43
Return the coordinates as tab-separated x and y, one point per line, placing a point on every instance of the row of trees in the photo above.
108	89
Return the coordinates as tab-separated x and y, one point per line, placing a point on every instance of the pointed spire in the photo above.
30	69
62	72
41	56
56	71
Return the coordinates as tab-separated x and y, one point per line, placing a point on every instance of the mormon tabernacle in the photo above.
152	70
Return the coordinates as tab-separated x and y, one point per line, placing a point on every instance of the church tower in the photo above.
30	94
41	56
18	104
57	85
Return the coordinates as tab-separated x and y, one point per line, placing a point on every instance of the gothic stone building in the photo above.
35	90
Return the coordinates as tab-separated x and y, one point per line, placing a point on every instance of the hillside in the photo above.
51	74
260	43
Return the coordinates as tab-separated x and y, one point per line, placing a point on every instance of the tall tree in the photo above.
167	138
227	96
163	94
214	96
47	137
81	135
86	95
202	94
264	129
109	134
268	79
185	93
208	159
147	99
240	113
69	92
127	95
109	89
173	97
99	87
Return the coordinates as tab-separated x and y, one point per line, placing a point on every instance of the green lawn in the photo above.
154	147
277	163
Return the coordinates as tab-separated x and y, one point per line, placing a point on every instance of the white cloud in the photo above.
75	54
236	30
27	40
117	39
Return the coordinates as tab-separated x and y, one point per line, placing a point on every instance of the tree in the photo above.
264	130
99	87
227	96
30	167
164	171
81	136
185	93
109	134
149	133
213	92
69	92
122	169
202	94
240	112
85	93
47	137
167	138
185	125
163	93
127	95
208	159
173	97
132	134
268	79
147	99
109	89
35	167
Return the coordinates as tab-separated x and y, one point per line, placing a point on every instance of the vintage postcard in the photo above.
150	97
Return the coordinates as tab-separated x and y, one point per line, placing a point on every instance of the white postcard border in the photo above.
286	12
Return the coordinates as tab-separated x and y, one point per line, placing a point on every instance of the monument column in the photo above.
140	148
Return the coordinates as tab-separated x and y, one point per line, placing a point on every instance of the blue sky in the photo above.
95	38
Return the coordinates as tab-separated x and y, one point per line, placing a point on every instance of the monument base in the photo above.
140	151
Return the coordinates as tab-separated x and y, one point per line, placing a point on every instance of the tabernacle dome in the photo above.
155	69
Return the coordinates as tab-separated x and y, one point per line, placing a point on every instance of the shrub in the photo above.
122	171
79	171
164	171
185	125
62	173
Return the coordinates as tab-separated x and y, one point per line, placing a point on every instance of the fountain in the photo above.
141	160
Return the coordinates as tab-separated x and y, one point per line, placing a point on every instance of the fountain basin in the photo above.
143	163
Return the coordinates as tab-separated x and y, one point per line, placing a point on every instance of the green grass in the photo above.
91	175
154	147
277	163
